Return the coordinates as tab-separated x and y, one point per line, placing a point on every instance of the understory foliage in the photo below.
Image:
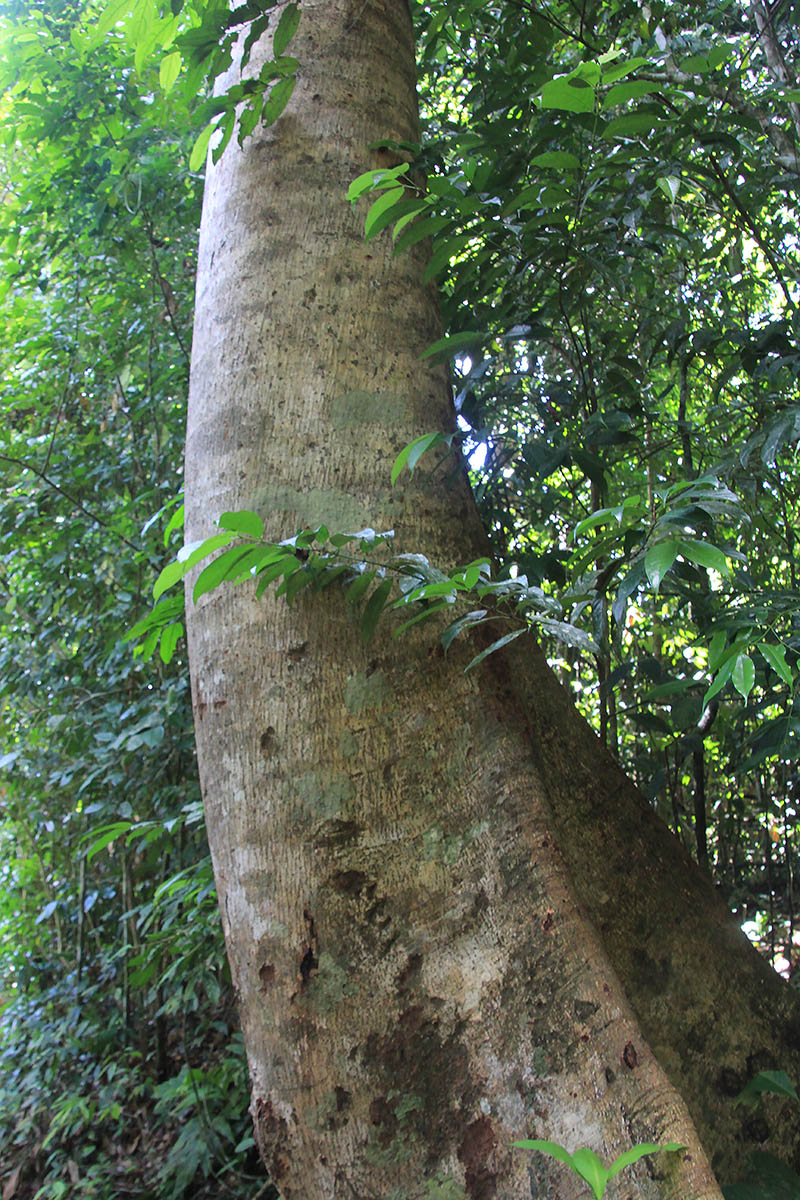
609	192
121	1072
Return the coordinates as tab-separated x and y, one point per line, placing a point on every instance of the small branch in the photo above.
547	16
26	466
738	103
683	424
711	167
166	290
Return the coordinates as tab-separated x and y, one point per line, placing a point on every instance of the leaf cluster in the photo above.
316	558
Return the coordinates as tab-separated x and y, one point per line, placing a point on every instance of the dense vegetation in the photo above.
611	202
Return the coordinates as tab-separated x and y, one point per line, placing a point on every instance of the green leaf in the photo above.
445	250
411	454
557	160
628	91
720	679
329	575
287	28
427	227
187	557
295	582
633	125
715	649
570	635
609	56
369	180
168	30
169	70
631	507
341	539
163	613
430	591
586	1164
248	118
243	522
551	1148
639	1151
169	576
418	207
569	94
273	571
670	185
477	572
140	30
169	640
588	71
448	347
705	555
380	206
200	148
743	675
416	565
279	97
218	570
768	1179
404	209
146	650
175	522
780	433
695	64
658	560
777	1082
477	617
622	69
361	184
528	195
424	615
374	607
253	559
498	645
356	591
626	589
107	836
278	68
369	537
194	552
776	657
111	14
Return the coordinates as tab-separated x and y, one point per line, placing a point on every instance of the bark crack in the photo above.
310	960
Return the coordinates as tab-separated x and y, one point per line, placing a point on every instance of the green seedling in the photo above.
585	1163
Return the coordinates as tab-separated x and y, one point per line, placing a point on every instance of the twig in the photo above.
20	462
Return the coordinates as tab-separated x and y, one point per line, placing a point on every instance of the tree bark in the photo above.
418	983
712	1009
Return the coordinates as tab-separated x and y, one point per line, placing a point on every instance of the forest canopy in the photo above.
609	194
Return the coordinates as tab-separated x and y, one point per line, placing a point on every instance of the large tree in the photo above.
450	919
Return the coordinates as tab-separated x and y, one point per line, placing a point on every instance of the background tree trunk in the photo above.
418	985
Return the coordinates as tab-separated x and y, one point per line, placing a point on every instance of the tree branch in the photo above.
26	466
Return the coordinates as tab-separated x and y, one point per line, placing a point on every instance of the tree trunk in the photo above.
418	983
712	1009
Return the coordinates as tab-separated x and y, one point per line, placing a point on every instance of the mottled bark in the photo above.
418	984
